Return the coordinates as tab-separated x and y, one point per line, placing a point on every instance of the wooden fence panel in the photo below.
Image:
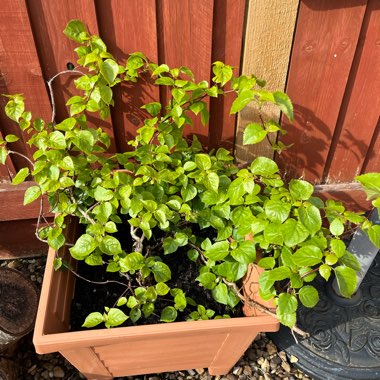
185	39
361	105
56	52
228	26
20	72
128	27
325	42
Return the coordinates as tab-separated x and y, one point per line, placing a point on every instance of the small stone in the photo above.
191	372
45	374
271	348
282	355
293	359
267	377
251	354
247	370
273	364
154	378
58	372
200	371
260	361
286	366
237	371
265	365
231	376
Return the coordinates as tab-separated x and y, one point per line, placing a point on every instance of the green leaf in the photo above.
162	289
203	161
105	94
115	317
294	232
223	73
277	211
325	271
351	261
110	245
74	30
220	293
371	184
57	263
279	273
283	101
300	190
93	319
310	217
161	272
207	279
374	235
133	261
263	166
148	309
189	193
109	69
165	81
153	108
197	107
307	256
287	303
347	280
253	134
211	182
308	296
170	245
135	314
236	191
11	138
57	140
94	259
337	247
84	140
15	107
245	253
267	263
83	247
287	319
101	194
169	314
218	251
31	194
3	155
20	176
336	227
245	96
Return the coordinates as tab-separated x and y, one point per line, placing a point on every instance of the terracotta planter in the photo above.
107	353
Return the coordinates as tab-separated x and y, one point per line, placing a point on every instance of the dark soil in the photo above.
184	272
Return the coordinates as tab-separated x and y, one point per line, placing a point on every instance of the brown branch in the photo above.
261	308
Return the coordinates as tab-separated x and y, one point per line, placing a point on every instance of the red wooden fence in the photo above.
333	79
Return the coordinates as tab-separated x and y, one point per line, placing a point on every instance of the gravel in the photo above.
261	361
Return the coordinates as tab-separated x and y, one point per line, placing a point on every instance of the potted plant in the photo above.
183	207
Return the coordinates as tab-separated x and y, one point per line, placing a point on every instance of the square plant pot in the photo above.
125	351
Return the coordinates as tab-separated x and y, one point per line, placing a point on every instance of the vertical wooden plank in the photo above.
325	42
185	39
372	161
55	50
127	27
227	40
20	71
360	109
268	40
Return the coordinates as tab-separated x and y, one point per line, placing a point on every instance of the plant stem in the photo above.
261	308
50	86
